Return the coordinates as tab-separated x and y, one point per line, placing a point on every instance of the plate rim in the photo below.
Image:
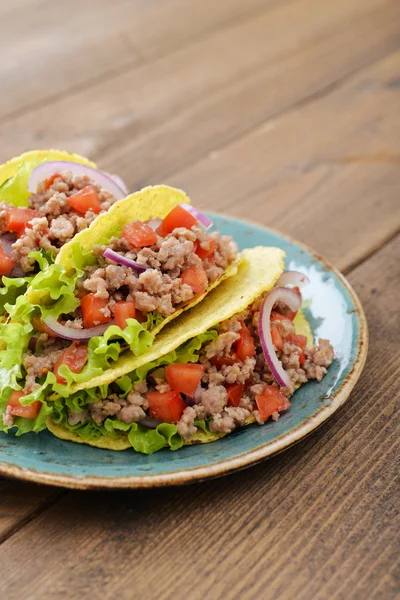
230	465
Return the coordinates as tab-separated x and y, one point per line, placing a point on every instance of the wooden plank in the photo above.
314	522
153	121
20	502
325	173
52	47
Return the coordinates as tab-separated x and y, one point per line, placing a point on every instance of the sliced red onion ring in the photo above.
122	260
7	240
154	223
120	182
68	333
293	301
47	169
292	278
149	422
32	344
192	400
205	221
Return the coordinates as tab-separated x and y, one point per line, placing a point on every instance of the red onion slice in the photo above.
149	422
122	260
47	169
68	333
205	221
292	278
293	301
7	240
32	344
120	182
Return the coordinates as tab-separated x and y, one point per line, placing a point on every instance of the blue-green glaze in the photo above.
334	314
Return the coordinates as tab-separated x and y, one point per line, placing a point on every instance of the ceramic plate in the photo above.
335	313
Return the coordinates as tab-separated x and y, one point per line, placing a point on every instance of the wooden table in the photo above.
285	112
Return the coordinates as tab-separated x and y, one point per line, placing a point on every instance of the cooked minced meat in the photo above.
55	222
212	401
160	288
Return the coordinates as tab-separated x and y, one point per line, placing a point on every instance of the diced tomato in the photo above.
292	313
222	361
301	342
50	180
40	326
17	410
140	317
139	234
235	393
6	263
245	347
196	278
275	316
184	377
202	252
84	200
271	400
298	340
18	218
178	217
92	311
74	357
123	311
276	337
167	406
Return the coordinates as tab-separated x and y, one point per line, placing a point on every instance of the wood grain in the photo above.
149	122
20	502
318	521
64	45
326	172
285	112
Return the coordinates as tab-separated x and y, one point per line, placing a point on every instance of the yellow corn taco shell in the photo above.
32	159
150	202
258	271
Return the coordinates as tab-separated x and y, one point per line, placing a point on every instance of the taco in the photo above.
46	197
234	359
112	288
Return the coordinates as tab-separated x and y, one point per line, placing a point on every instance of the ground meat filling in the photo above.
160	288
212	400
56	222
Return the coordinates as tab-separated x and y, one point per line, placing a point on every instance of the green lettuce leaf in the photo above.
15	190
11	288
141	438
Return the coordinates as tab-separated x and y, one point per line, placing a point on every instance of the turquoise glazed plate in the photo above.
335	313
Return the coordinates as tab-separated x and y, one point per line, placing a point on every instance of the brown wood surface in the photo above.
287	113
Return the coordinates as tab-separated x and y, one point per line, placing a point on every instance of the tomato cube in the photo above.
74	357
85	200
196	278
271	400
139	234
123	311
235	393
18	219
184	377
178	217
93	311
17	410
6	263
245	347
167	407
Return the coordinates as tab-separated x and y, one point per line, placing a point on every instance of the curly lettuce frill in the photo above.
141	438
